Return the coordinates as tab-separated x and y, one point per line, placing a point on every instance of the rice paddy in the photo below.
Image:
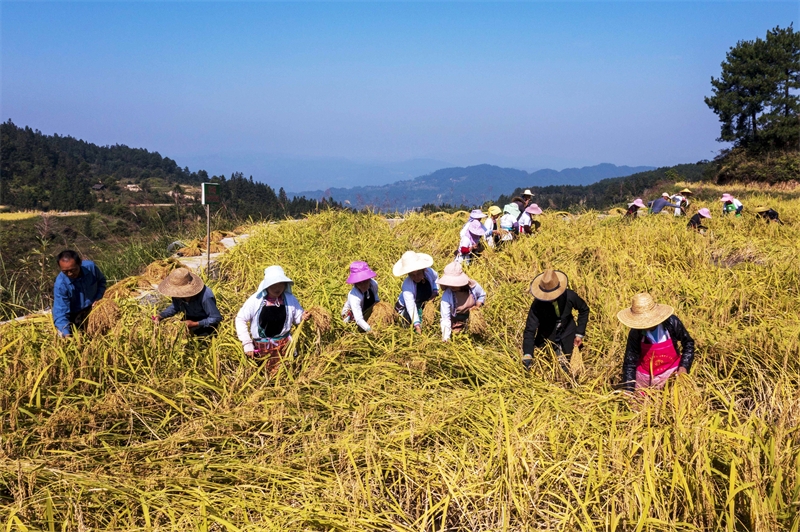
144	428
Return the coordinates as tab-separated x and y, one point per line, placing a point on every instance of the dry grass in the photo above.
143	428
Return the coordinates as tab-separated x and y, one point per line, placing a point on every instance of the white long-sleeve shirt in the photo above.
247	318
408	294
354	303
448	307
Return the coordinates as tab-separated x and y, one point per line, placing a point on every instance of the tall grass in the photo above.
143	429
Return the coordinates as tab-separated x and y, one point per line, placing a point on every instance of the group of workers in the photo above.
264	322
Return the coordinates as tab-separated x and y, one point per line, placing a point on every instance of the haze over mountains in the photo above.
470	185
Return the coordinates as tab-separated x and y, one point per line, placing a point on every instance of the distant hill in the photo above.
472	185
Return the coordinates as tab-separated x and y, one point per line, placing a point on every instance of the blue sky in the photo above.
529	85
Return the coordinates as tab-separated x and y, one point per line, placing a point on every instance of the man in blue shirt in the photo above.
656	206
79	285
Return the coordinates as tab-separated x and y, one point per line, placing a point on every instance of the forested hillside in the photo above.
53	172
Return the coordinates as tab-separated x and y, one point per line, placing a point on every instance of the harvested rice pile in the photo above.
144	428
383	315
104	315
158	270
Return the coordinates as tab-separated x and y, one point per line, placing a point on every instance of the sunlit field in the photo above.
15	216
140	428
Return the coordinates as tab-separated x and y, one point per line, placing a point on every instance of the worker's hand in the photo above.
434	295
578	341
478	304
250	353
305	315
681	371
418	328
192	324
157	319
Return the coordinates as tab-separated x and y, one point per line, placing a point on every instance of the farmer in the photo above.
79	286
633	208
550	318
509	222
471	244
527	225
527	196
491	226
193	298
651	354
768	214
657	205
461	294
731	204
362	296
682	199
265	320
476	214
696	221
419	287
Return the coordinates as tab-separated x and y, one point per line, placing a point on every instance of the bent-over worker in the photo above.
193	298
461	294
419	287
79	286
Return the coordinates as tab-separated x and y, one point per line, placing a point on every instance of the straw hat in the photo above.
665	194
411	261
181	283
454	276
762	209
548	285
638	202
533	209
476	214
704	212
494	210
644	312
360	271
686	191
527	192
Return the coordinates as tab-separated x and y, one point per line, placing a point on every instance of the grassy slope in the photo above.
139	430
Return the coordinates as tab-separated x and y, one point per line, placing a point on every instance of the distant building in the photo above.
133	188
98	186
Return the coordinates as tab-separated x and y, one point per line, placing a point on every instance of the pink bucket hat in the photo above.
639	203
726	197
359	271
704	212
476	228
533	209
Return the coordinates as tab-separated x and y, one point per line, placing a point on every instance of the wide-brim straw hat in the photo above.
686	191
527	192
411	261
665	194
762	209
644	312
477	214
181	282
360	271
533	209
704	212
548	285
494	210
454	276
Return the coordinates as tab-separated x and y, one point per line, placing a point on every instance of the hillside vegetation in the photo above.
142	429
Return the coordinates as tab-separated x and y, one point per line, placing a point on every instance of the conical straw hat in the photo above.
548	285
644	312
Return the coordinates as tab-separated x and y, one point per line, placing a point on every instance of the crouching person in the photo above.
651	354
194	299
461	294
77	288
362	296
265	320
418	288
550	318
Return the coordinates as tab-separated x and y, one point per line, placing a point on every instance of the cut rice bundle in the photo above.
477	322
105	313
429	314
321	319
383	315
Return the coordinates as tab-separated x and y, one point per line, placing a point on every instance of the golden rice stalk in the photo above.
216	247
321	319
122	289
242	229
576	366
477	322
617	211
158	270
429	314
190	252
216	236
105	313
383	315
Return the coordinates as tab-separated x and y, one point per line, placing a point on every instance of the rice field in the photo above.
16	216
142	428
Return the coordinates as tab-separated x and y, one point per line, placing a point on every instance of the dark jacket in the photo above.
542	320
633	350
201	308
771	216
696	222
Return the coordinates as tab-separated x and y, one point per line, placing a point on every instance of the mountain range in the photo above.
471	185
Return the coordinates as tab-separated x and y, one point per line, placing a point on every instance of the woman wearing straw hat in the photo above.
461	294
527	225
419	287
471	244
696	221
651	354
682	199
362	296
476	214
550	317
768	214
731	204
193	298
265	320
490	225
633	208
